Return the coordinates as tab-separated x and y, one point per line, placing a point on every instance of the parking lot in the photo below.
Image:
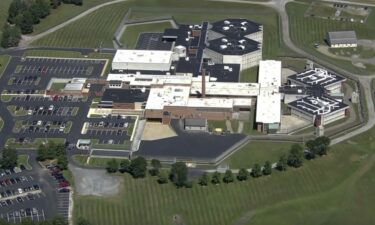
60	67
113	129
44	126
28	194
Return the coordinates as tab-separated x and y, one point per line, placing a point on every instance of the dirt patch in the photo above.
95	182
155	131
177	220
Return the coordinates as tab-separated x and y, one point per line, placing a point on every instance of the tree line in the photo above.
178	173
50	151
24	14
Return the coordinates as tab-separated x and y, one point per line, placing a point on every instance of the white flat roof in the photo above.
142	56
269	98
168	95
218	102
226	88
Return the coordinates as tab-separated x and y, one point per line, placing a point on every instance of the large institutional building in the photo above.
195	75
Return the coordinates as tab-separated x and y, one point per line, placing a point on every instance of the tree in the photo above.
215	179
77	2
112	166
256	170
178	174
59	221
15	8
267	170
310	145
295	157
11	36
82	221
203	179
62	162
44	6
55	3
242	174
156	165
162	177
9	158
318	146
138	167
282	163
124	166
41	153
228	177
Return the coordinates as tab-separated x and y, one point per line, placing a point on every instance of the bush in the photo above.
138	167
215	179
228	177
203	179
112	166
178	174
162	178
242	174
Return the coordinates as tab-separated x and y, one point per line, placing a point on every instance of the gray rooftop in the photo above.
342	37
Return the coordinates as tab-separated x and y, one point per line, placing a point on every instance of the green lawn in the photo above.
124	146
213	124
92	31
57	86
24	160
306	31
99	27
64	13
130	36
4	60
336	189
37	141
4	5
249	75
258	152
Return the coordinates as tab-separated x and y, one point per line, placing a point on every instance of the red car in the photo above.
64	184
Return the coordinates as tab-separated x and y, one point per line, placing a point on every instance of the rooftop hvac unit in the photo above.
223	46
244	28
226	22
226	67
187	58
243	23
241	47
224	40
242	41
225	28
191	26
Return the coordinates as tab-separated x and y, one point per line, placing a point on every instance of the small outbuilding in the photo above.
196	125
342	39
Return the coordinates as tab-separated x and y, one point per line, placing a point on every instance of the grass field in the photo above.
37	141
64	13
92	31
249	75
4	5
130	36
336	189
24	160
306	31
257	152
4	59
99	27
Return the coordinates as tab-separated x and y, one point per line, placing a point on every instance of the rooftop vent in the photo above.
225	28
241	47
226	22
242	41
243	23
224	40
244	28
223	46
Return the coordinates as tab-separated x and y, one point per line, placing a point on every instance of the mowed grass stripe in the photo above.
90	31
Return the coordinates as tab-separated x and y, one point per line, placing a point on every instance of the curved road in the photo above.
26	40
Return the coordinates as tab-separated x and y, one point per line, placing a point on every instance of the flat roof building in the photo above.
319	110
268	109
342	39
142	60
318	77
123	98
